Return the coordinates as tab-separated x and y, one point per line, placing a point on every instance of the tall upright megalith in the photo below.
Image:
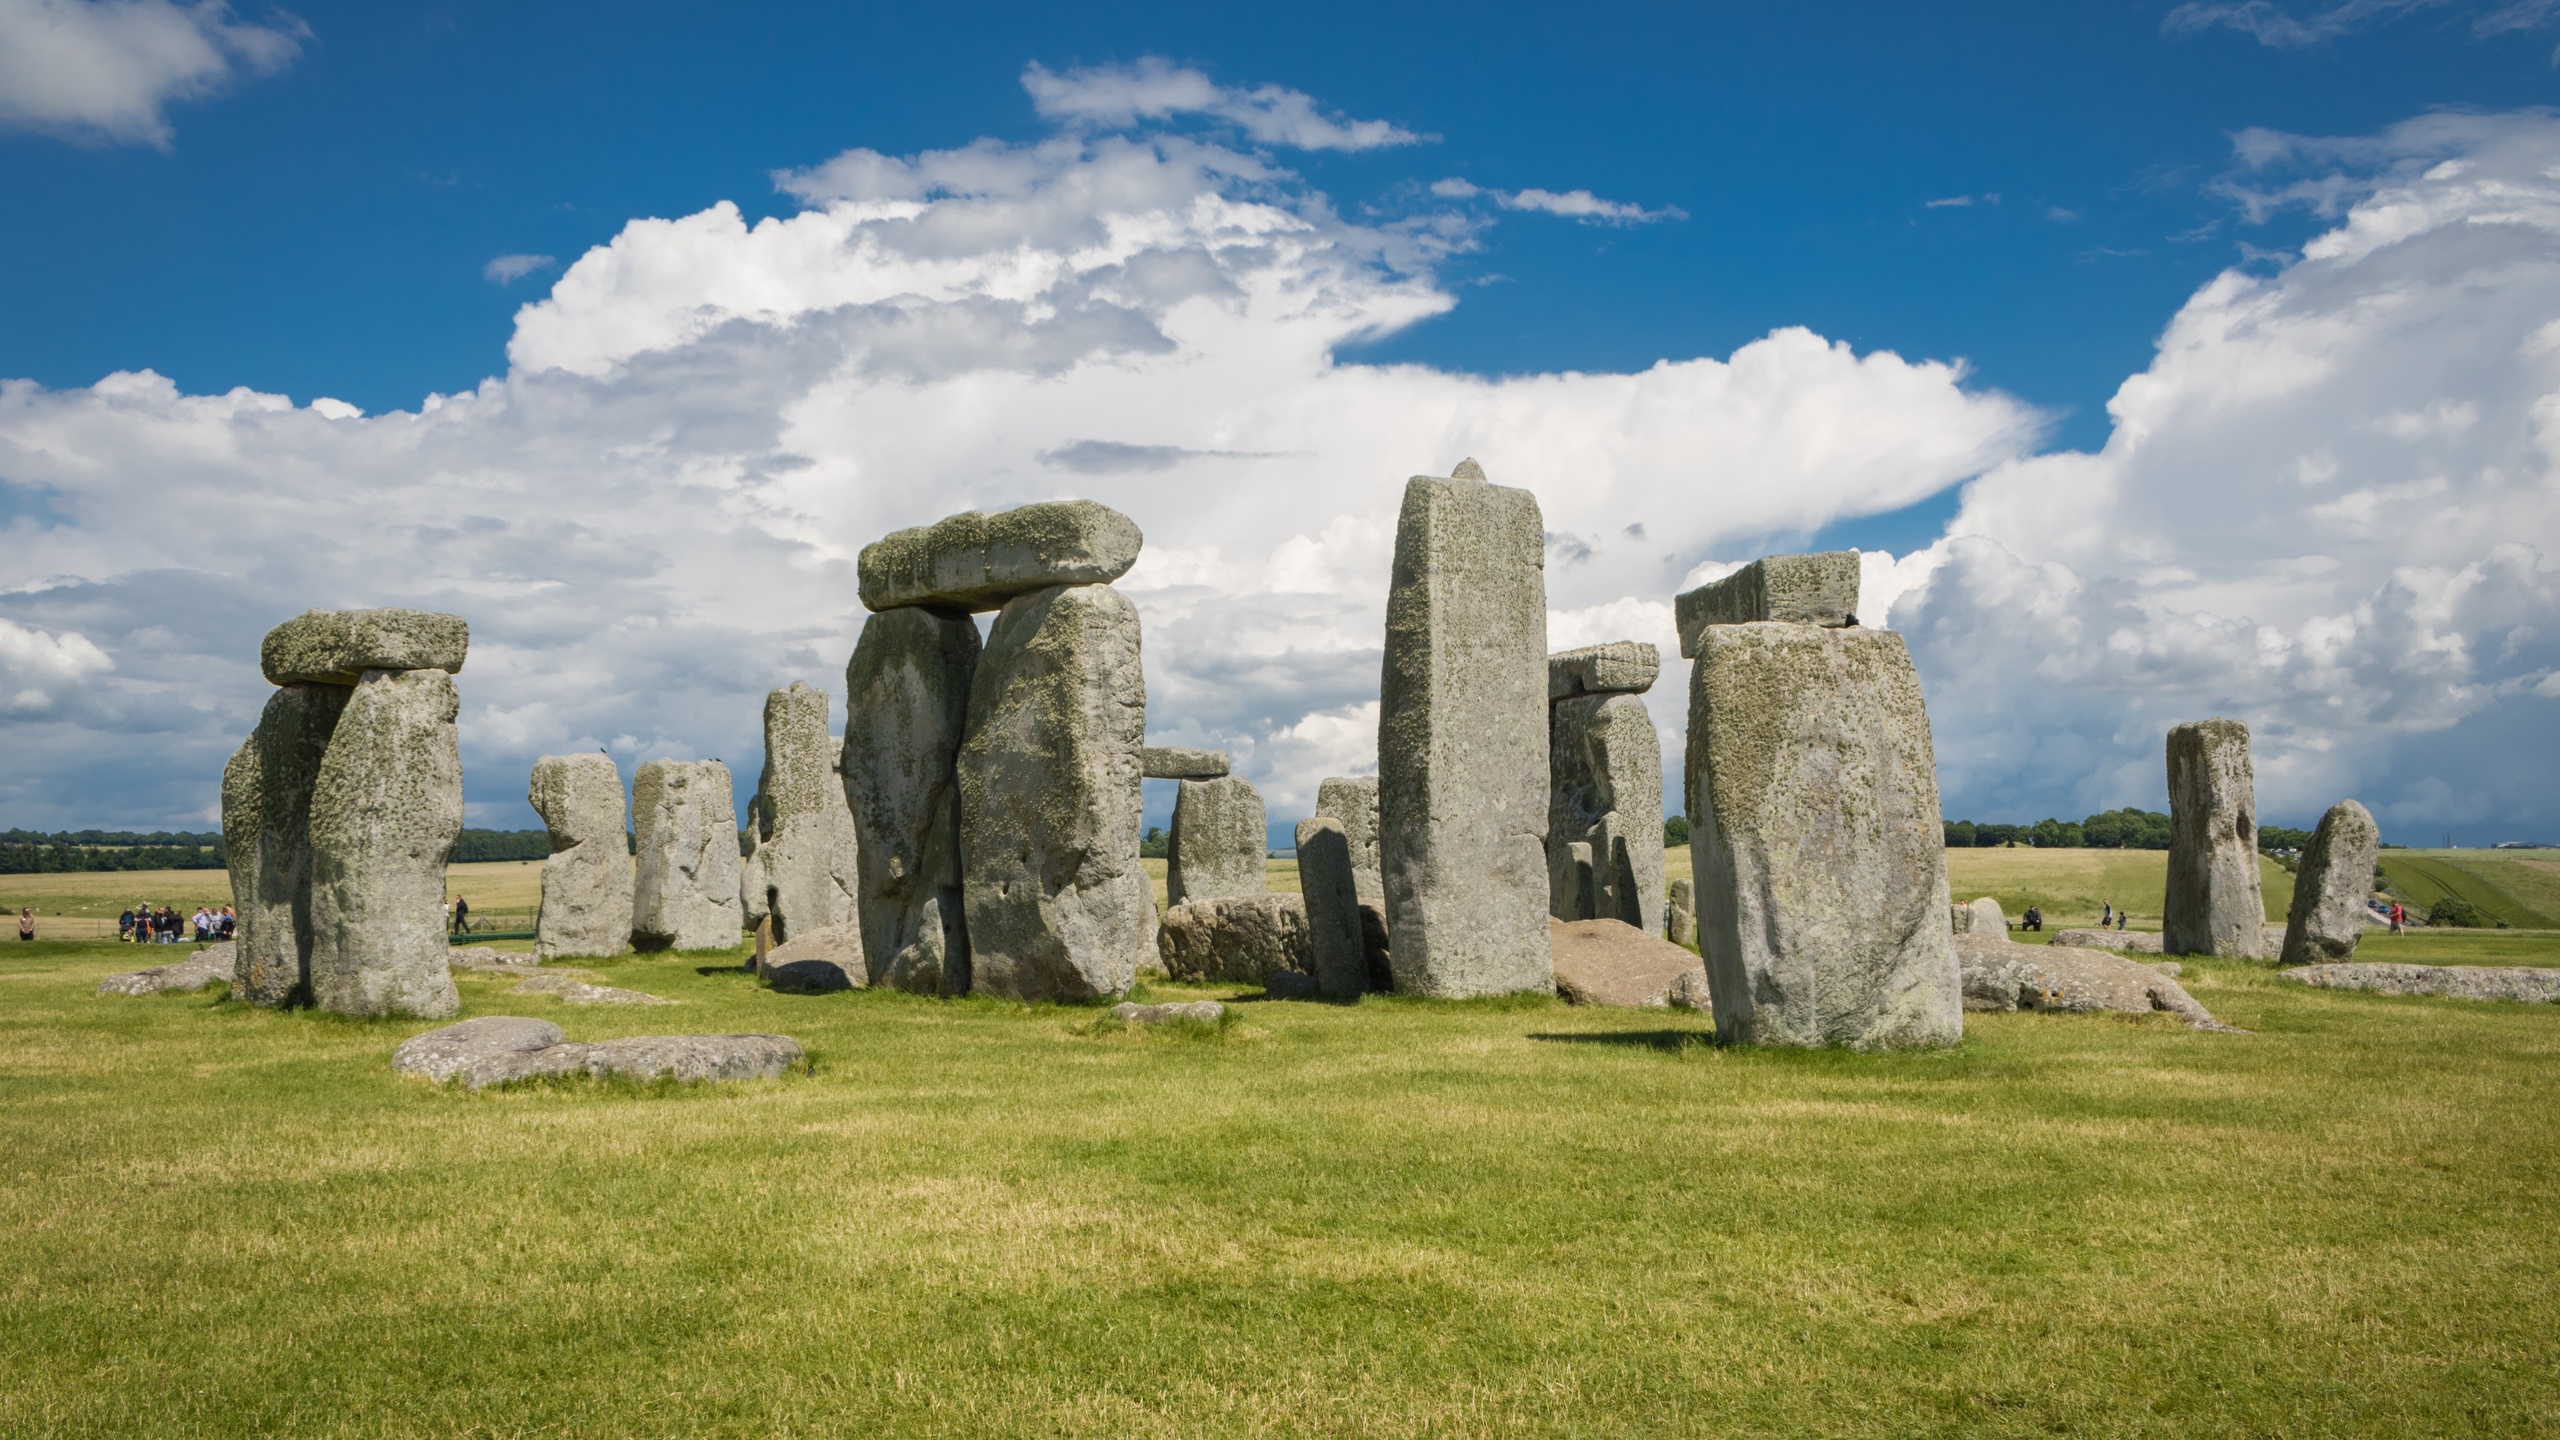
909	686
1819	850
1219	841
2330	886
386	808
1604	811
684	888
1333	908
1462	740
803	871
586	881
266	829
1353	800
2213	906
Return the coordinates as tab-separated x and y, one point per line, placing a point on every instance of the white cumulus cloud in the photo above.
108	69
1154	89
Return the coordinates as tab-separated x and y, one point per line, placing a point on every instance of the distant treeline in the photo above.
2106	830
478	845
31	852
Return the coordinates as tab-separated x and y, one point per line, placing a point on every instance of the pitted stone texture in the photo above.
2330	885
1462	741
977	561
586	882
1175	762
2002	976
1604	812
909	683
1241	938
1680	914
1621	667
386	808
1795	589
1332	898
1199	1012
1219	841
1059	906
1612	963
213	962
336	647
2460	982
441	1055
1820	852
799	775
500	1049
2213	905
1981	918
684	889
266	831
2128	942
1353	800
803	872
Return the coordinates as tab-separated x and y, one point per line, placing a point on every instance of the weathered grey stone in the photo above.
799	775
1796	589
978	561
1611	963
500	1049
2330	886
1621	667
909	683
818	961
684	889
489	957
2460	982
1175	762
2213	905
1999	975
693	1058
1219	841
1981	918
586	882
1604	811
1819	850
1462	741
1353	800
805	871
198	970
1680	914
1198	1012
1059	906
1240	938
441	1055
1340	953
576	989
266	831
386	808
2129	942
336	647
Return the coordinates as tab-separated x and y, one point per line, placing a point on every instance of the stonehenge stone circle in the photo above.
1175	762
1354	802
1462	741
684	892
1604	811
2213	905
1333	908
336	647
266	830
1242	938
979	561
1219	841
586	882
1058	905
1815	830
1798	589
2329	887
386	808
1621	667
802	872
909	683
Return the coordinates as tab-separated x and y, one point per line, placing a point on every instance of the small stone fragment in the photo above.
1612	963
2213	906
1797	589
336	647
266	830
1219	841
386	808
1198	1012
819	962
1621	667
2329	887
1175	762
1240	938
1999	975
441	1055
1333	908
978	561
1353	800
684	892
586	882
909	682
203	968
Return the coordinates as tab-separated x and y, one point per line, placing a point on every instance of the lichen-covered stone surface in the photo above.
1819	850
909	683
977	561
336	647
1334	937
1612	963
2460	982
1621	667
386	808
2130	942
1796	589
586	881
1604	812
1680	913
804	872
1353	800
1059	906
500	1049
197	971
684	888
2330	886
1999	975
1176	762
1219	841
1201	1012
266	832
1980	917
1462	741
1241	938
2213	906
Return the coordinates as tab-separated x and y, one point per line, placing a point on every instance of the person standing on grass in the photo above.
26	923
2395	917
2106	914
461	916
124	926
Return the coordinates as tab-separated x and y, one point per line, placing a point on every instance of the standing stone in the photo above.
1333	908
2329	887
909	685
802	871
586	883
684	892
1219	841
386	808
1059	906
1604	817
1680	914
978	561
266	830
2214	906
1462	741
1354	802
1819	849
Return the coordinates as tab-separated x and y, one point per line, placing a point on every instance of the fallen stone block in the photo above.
1175	762
441	1055
1817	589
204	967
336	647
1981	918
2130	942
2459	982
1621	667
978	561
1240	938
575	989
1612	963
499	1049
819	963
1999	975
1200	1012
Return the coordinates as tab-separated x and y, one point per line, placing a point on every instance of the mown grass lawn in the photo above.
1397	1218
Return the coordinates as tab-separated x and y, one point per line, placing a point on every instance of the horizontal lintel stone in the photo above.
977	561
1803	589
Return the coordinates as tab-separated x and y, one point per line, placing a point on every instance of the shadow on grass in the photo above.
1666	1042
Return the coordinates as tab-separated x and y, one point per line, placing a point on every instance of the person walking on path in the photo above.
461	916
26	922
2395	917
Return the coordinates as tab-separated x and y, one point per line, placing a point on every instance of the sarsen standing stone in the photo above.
1219	841
909	686
385	811
2214	906
586	882
266	830
2330	886
685	889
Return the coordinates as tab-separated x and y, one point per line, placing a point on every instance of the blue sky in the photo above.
326	207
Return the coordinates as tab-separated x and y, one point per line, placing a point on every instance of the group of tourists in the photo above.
146	924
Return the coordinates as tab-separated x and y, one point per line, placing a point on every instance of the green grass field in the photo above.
2521	888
